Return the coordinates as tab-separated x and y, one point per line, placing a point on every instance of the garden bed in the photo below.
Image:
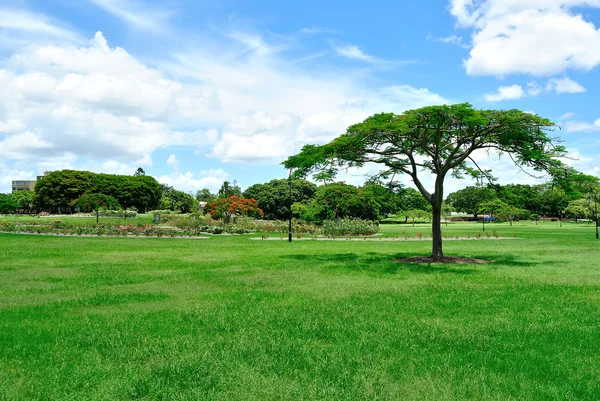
100	236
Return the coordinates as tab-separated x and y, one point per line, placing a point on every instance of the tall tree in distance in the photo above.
95	203
204	195
139	172
227	190
437	141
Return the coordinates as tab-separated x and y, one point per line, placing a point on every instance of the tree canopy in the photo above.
273	197
437	141
95	203
56	191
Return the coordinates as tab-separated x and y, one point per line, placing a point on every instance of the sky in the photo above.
197	92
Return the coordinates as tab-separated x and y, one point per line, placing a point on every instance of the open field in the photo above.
231	319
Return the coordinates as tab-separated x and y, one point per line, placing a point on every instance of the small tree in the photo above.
437	140
491	207
234	205
96	202
447	211
25	200
7	205
512	213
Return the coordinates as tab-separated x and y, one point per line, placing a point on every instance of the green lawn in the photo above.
140	219
234	319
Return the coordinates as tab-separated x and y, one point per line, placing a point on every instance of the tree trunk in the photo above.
97	216
437	199
436	230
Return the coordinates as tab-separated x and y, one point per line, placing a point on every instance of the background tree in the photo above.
227	190
173	199
469	199
232	206
139	172
204	195
7	205
96	203
491	207
56	191
447	211
510	213
437	140
521	196
25	200
414	214
273	197
553	202
410	198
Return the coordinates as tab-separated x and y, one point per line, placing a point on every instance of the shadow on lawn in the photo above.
384	263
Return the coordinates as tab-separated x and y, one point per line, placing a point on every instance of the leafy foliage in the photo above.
7	205
438	140
469	199
234	205
173	199
274	197
346	227
56	191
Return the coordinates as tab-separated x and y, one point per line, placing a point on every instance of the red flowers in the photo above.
234	205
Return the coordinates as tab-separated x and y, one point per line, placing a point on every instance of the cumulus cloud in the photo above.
173	162
564	85
506	93
559	86
192	182
236	99
535	37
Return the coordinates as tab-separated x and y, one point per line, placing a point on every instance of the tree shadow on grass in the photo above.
380	263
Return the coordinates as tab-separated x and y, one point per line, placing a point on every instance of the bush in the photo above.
121	214
346	227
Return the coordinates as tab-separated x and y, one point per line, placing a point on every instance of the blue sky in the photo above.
198	92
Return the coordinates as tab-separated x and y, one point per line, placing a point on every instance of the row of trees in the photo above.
55	192
571	199
303	199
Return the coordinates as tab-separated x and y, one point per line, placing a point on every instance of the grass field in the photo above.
234	319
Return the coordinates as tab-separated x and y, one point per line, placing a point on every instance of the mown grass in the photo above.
234	319
140	219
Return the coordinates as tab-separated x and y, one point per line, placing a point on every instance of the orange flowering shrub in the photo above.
234	205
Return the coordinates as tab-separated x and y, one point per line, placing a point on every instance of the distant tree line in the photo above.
55	192
573	198
277	200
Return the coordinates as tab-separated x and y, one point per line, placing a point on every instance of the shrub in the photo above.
347	227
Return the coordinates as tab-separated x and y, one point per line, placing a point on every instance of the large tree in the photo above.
273	197
468	200
436	141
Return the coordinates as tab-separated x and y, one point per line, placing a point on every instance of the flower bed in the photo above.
60	228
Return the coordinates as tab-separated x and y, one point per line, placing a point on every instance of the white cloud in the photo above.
580	126
556	85
506	93
535	37
564	85
173	162
351	51
93	104
317	29
190	182
136	14
453	40
22	24
533	89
